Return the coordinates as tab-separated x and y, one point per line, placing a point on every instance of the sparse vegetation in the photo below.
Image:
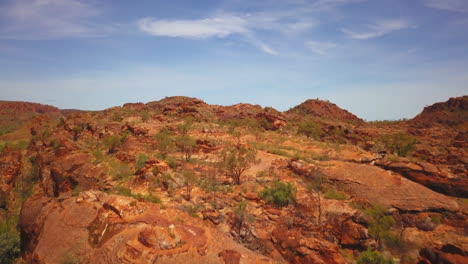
9	241
141	161
334	194
280	194
400	143
189	180
380	226
371	256
242	215
237	159
186	144
165	144
127	192
120	171
310	129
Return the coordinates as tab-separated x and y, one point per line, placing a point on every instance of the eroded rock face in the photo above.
61	174
298	249
95	227
383	187
430	176
10	168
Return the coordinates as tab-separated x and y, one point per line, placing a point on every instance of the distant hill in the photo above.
453	112
15	114
323	109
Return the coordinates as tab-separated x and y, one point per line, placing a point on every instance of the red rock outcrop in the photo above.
95	227
453	112
430	176
323	109
384	187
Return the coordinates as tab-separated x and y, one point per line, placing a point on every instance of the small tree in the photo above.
317	186
400	143
237	159
242	214
189	180
165	144
186	144
310	129
185	127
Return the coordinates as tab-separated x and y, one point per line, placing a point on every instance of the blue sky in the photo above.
380	59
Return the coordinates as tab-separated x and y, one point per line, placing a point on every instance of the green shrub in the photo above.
152	199
336	195
120	171
371	256
280	194
380	227
171	162
120	190
310	129
9	242
236	160
145	116
242	214
400	143
112	143
193	209
141	161
185	127
186	144
165	144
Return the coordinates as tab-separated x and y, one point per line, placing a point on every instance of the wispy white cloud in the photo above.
320	48
288	18
377	29
220	26
449	5
50	19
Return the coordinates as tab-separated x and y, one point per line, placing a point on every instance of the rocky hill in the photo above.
453	113
324	110
15	114
178	181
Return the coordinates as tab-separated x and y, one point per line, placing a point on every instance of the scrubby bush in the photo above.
141	161
400	143
185	127
9	242
371	256
237	159
171	162
310	129
165	144
193	209
336	195
186	144
120	171
120	190
380	226
144	117
280	194
112	143
189	180
242	214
